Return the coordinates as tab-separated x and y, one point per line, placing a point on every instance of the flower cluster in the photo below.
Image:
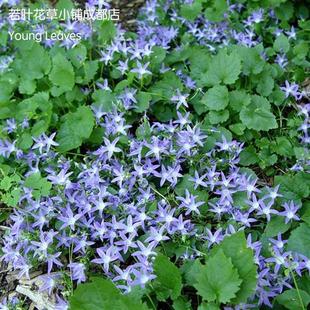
163	172
108	210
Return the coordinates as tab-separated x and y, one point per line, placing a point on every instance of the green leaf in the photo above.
301	49
12	198
299	240
238	129
257	115
144	131
25	141
219	280
290	299
304	282
39	127
248	156
306	212
106	30
267	158
6	183
198	105
62	75
216	98
168	281
75	128
199	58
283	147
191	11
238	99
163	112
166	87
27	87
33	64
276	226
281	44
215	12
217	117
181	304
293	187
102	294
90	70
40	186
208	306
64	5
285	11
235	247
5	215
104	100
28	107
191	269
143	103
265	83
157	57
252	62
77	55
223	68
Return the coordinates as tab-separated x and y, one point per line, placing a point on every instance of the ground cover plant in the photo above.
161	168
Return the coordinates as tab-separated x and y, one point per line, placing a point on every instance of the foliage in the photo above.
171	162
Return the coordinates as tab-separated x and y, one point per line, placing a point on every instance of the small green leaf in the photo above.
223	68
27	87
191	11
191	270
168	281
75	128
106	30
219	280
4	216
104	100
6	183
217	117
293	187
39	185
281	44
143	103
235	247
166	87
257	115
248	156
181	304
102	294
283	147
77	55
62	75
252	62
276	226
238	99
208	306
216	98
34	63
299	240
215	11
238	129
290	299
90	70
64	5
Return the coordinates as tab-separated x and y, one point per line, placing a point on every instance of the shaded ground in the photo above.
128	10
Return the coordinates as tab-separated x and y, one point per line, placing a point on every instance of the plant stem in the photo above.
297	289
151	301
